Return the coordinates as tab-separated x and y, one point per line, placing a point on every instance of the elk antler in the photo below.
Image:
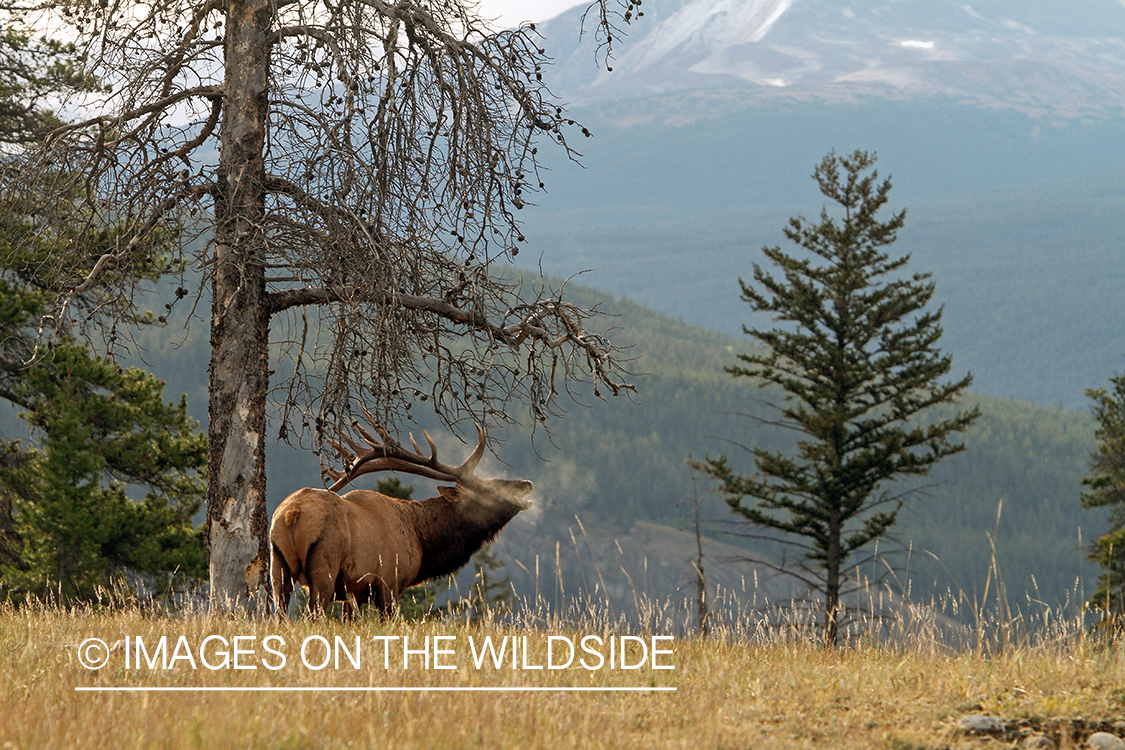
385	454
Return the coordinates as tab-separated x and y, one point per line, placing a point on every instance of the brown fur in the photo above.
367	547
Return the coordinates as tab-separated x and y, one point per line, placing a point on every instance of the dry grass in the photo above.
736	690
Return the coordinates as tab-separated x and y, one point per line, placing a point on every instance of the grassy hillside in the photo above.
769	689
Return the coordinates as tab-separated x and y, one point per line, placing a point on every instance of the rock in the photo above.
1038	742
982	723
1104	741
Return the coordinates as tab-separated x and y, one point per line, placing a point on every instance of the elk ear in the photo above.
449	493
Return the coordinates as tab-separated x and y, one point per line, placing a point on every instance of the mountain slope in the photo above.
1037	57
622	463
1028	267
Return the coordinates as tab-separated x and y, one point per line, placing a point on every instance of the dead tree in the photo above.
356	169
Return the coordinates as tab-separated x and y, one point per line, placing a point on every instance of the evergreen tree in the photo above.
66	523
365	163
489	594
65	520
71	530
31	72
857	364
1107	490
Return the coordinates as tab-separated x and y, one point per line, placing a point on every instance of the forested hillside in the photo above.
623	462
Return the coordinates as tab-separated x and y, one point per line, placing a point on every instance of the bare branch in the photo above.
783	570
159	105
551	323
126	253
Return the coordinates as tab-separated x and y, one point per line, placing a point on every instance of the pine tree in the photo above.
73	529
1107	490
32	72
857	364
66	522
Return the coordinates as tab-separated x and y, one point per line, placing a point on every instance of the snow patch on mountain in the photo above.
711	25
972	13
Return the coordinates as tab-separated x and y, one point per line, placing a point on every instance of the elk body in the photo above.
366	547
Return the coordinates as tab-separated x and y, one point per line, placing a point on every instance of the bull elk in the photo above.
368	547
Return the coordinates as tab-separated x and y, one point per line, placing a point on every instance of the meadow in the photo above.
324	683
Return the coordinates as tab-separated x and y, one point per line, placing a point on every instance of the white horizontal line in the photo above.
113	689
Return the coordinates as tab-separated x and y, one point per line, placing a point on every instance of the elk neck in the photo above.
452	530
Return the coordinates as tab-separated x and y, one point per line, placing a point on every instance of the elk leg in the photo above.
351	607
321	574
320	596
385	599
282	584
347	596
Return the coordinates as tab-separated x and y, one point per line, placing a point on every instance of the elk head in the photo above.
367	547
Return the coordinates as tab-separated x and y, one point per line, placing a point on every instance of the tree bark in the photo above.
239	376
832	579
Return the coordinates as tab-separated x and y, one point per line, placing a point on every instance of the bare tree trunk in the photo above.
704	623
832	579
239	378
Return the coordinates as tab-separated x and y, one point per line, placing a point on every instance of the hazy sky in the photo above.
511	12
